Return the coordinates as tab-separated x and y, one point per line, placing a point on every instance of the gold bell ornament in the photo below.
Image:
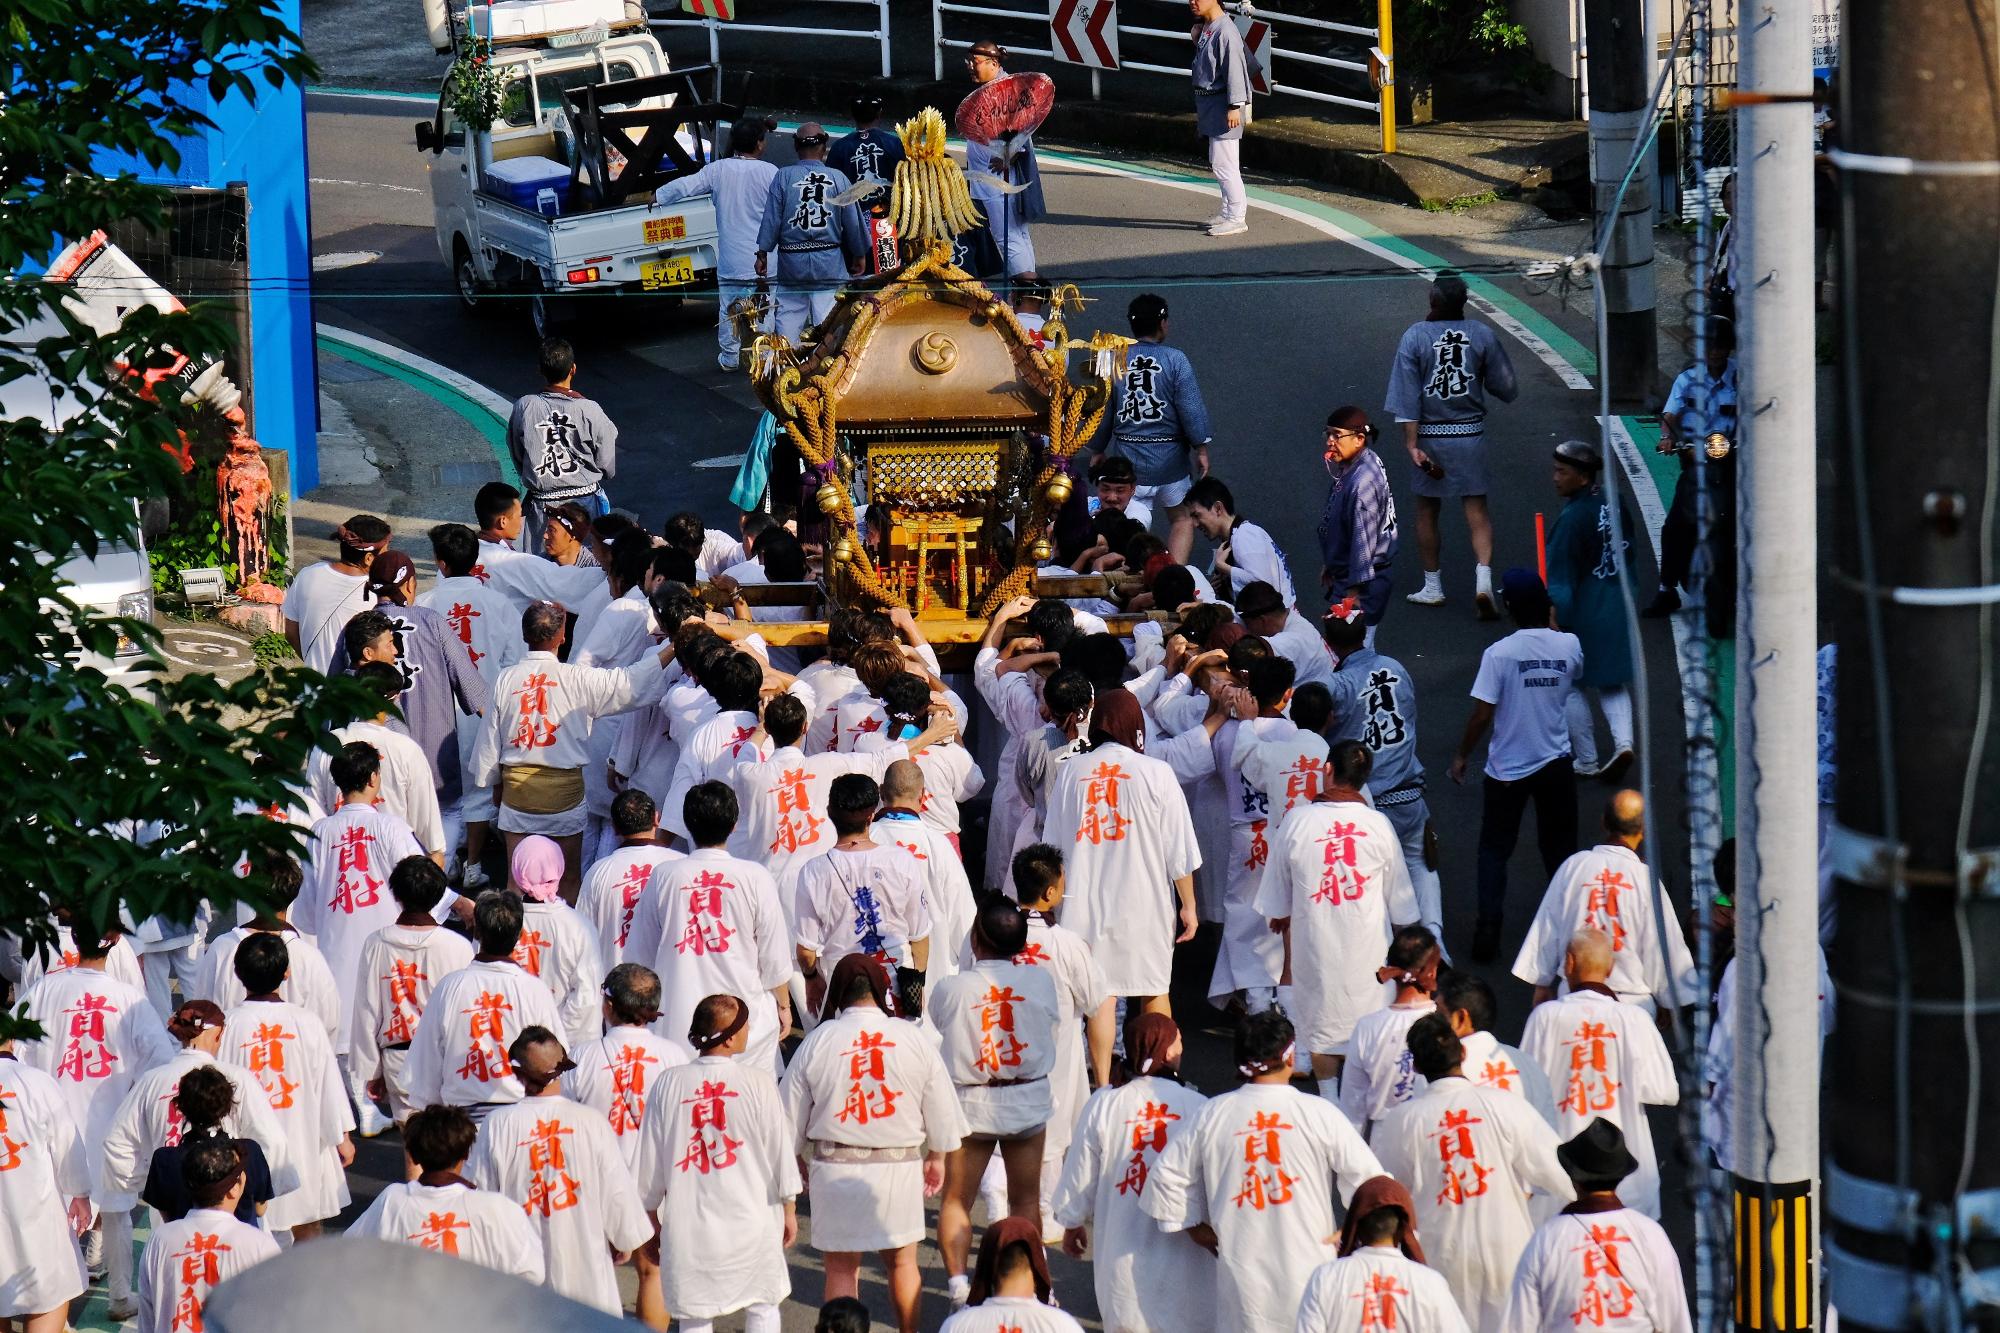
829	497
1058	488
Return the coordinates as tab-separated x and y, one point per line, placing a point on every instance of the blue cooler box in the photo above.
538	184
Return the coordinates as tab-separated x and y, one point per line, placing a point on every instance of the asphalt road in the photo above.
1282	324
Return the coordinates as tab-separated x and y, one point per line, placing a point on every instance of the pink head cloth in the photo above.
538	867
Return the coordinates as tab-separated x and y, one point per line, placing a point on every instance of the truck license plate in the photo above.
657	273
661	230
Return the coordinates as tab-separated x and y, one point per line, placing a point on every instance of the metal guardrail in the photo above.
879	34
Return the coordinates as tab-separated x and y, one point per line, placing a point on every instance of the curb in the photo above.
483	409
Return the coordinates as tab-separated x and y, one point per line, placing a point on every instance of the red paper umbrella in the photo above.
1010	104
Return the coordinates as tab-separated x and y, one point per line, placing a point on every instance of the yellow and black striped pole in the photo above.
1774	1253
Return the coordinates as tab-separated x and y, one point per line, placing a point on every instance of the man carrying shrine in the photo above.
1145	1278
438	1209
1603	1058
1379	1072
289	1051
860	895
1380	1283
400	965
616	882
44	1196
458	1056
947	891
187	1259
1470	1156
1253	1180
873	1113
1337	890
809	241
717	1172
1609	888
1598	1265
537	734
559	1160
1251	959
997	1023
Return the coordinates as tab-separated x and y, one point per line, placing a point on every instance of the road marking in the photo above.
485	410
721	460
365	185
208	649
339	259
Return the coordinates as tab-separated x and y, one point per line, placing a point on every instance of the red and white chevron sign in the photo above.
1257	44
1085	32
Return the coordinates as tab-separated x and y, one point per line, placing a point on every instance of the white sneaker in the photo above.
368	1120
1229	227
1427	596
1215	221
960	1290
475	878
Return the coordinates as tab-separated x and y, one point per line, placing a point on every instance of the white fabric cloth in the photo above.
1527	677
713	925
1290	770
1604	1058
716	1163
345	898
542	713
866	1080
1225	160
288	1051
399	968
1145	1278
947	892
459	1054
996	1022
1300	644
98	1036
186	1260
1250	956
1080	989
488	623
1491	1063
1380	1072
1608	888
322	600
457	1219
1337	871
147	1120
1255	558
409	789
581	589
617	1075
1470	1157
781	802
120	964
308	979
560	1161
1013	701
1260	1166
1378	1289
1122	824
41	1147
1615	1271
558	946
859	900
1011	1314
950	777
611	893
709	749
1718	1111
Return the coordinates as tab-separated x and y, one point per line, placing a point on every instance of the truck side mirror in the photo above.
427	138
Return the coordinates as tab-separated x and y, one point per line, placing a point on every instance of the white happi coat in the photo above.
42	1167
1380	1072
1470	1156
1011	1314
833	683
617	1074
1148	1281
1337	871
1379	1289
1614	1271
710	750
455	1218
560	1161
409	791
863	900
345	898
1291	772
98	1037
489	625
558	946
1491	1063
997	1022
288	1051
621	635
781	803
1016	705
542	714
185	1260
459	1055
583	590
715	1165
147	1121
121	962
1260	1166
714	926
1609	888
1604	1058
398	970
1250	955
308	979
1122	824
1080	989
947	892
611	893
950	777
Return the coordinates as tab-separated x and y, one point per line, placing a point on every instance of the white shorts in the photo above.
1164	497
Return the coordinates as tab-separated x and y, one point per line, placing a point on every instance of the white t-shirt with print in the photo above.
1527	677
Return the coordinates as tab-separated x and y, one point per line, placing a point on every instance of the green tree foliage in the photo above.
113	797
1439	37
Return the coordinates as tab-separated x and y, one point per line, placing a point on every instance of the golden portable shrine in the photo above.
922	393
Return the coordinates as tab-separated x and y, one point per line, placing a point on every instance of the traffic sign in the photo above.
1085	32
1257	44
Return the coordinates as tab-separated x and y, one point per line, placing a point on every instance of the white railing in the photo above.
879	34
1379	68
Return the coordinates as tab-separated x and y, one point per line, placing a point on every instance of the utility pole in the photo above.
1774	1156
1910	1200
1618	78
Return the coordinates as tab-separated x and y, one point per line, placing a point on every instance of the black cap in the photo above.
1598	1153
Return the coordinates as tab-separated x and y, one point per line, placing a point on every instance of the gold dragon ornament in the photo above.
930	201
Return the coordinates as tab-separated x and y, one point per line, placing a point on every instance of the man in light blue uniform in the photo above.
818	243
1158	420
1221	105
1011	159
739	185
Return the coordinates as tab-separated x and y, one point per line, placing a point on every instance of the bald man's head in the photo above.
903	785
1625	816
1588	959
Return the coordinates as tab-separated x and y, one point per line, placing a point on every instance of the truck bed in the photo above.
616	240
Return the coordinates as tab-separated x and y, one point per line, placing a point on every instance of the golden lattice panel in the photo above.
963	468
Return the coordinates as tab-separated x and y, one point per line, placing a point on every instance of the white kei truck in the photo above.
554	202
